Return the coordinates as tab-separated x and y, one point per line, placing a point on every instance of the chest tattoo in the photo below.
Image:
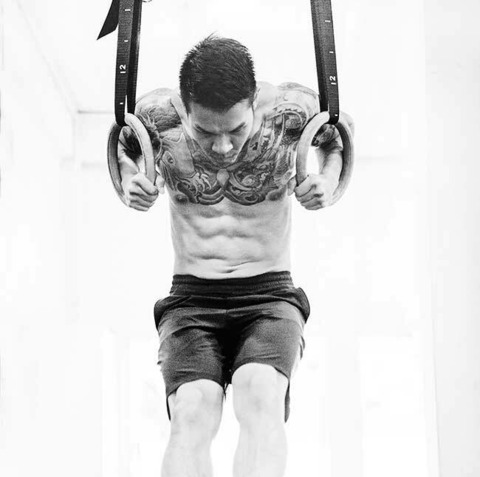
261	172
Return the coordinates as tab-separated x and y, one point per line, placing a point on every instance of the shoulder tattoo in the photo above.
158	120
301	104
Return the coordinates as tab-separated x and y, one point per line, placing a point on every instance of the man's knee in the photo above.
196	407
259	393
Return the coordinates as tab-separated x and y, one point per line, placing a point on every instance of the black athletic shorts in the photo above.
209	328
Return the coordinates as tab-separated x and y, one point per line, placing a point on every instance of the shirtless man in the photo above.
224	150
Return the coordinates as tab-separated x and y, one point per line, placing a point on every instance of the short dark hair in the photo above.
217	73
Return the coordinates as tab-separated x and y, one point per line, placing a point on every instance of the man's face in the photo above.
222	135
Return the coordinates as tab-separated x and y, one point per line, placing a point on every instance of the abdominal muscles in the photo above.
230	240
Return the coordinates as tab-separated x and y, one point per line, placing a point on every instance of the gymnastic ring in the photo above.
310	131
143	138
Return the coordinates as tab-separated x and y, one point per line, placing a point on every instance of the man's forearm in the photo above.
128	167
328	147
332	164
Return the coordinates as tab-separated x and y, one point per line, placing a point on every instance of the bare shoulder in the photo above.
294	101
156	110
160	118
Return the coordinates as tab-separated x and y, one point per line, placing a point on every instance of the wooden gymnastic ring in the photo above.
310	131
143	138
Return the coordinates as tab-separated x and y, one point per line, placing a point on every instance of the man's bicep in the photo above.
328	139
128	144
158	115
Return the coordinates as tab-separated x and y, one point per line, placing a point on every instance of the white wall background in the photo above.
389	382
453	114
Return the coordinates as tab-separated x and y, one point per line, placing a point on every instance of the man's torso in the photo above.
231	221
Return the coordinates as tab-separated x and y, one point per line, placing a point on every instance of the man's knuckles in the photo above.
304	187
140	182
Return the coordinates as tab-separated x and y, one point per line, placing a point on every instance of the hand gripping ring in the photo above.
310	131
147	152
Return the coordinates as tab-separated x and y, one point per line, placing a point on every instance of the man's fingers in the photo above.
136	205
142	199
311	202
149	188
316	207
314	192
141	181
140	193
309	196
303	188
140	208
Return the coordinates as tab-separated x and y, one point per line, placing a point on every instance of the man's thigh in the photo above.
191	354
271	334
269	348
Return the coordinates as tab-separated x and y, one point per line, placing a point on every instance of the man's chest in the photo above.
261	171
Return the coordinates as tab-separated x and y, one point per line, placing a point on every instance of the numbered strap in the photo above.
127	58
126	14
326	61
324	39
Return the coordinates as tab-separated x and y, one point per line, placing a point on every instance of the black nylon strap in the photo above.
324	40
126	14
127	58
111	22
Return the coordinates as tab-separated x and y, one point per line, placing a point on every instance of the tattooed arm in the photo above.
158	116
317	190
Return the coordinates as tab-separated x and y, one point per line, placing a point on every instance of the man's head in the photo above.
217	73
218	89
